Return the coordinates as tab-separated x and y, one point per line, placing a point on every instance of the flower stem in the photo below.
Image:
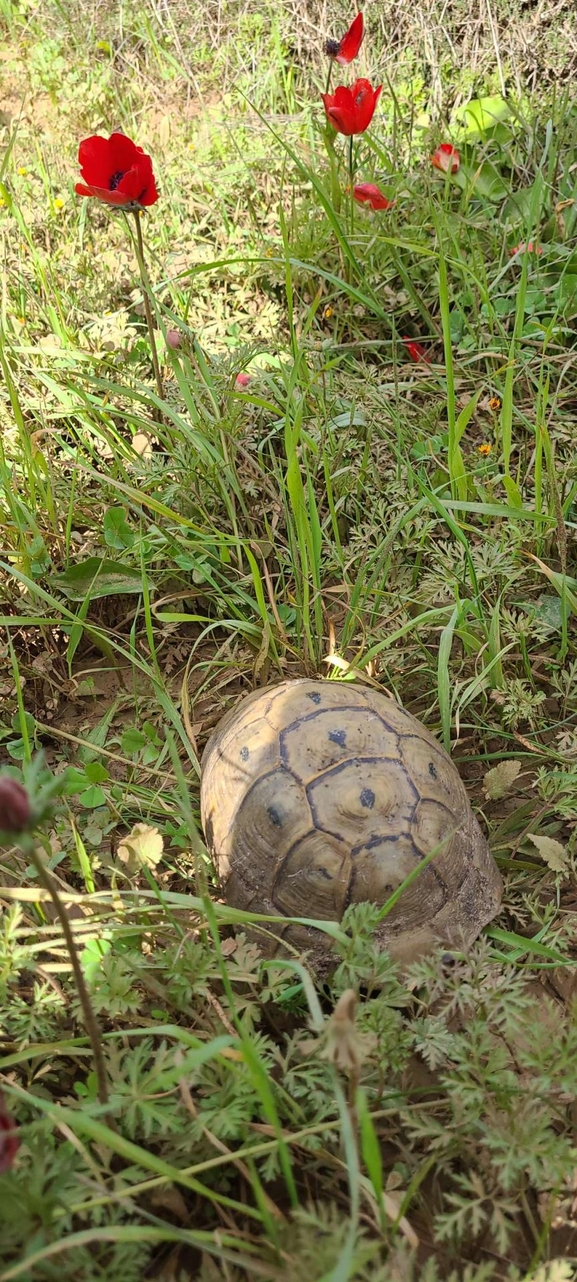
47	881
329	136
352	182
144	281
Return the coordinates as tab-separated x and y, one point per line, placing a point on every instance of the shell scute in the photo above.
327	736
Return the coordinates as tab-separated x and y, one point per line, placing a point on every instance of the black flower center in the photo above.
115	180
332	48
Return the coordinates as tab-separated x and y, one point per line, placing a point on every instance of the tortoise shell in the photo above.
319	794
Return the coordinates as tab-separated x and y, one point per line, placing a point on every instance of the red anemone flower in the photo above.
116	171
9	1139
446	157
370	194
346	49
350	111
416	351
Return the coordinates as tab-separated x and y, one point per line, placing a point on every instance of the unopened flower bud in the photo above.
9	1139
15	812
174	339
242	380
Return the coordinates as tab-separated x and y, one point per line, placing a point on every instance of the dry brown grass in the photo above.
520	44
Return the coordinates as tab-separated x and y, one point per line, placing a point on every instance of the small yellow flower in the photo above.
59	203
2	202
22	171
494	404
485	448
327	313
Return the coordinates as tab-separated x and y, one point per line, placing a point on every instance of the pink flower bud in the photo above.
174	338
9	1140
242	380
446	158
15	812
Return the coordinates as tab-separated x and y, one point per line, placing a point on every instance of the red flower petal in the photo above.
446	157
416	350
123	152
150	196
370	194
531	248
134	183
350	111
94	160
117	198
366	99
351	42
342	97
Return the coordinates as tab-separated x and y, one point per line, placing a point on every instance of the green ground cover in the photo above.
347	512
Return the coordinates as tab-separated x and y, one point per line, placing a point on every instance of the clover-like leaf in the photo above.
142	847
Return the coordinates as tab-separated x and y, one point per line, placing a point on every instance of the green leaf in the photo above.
370	1149
95	772
517	209
483	180
74	781
98	577
132	741
548	610
117	532
465	416
482	115
92	954
522	945
27	718
431	446
513	492
92	798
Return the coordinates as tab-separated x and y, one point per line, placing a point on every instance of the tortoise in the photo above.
316	794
